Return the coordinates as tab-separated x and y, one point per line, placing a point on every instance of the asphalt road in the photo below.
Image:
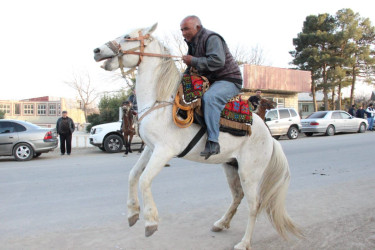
79	201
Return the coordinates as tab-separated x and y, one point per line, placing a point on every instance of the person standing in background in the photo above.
351	110
65	128
370	116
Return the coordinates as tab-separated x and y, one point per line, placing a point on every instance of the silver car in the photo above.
331	122
25	140
283	121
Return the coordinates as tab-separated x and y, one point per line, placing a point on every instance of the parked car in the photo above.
331	122
107	137
25	140
283	121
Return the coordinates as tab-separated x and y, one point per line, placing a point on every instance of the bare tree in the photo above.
174	41
81	82
245	55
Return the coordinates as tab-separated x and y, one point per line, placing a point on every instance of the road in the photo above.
79	201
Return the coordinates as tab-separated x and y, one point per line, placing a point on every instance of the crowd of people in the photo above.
368	113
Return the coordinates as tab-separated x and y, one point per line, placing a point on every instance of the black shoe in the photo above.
68	153
62	153
211	148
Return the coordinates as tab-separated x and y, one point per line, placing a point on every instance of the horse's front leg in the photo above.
159	158
130	143
135	173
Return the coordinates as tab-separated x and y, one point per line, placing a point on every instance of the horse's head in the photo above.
267	104
126	107
119	53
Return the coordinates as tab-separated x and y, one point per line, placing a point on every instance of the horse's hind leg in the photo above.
231	172
135	173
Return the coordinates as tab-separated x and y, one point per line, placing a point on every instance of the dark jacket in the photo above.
198	48
351	111
70	122
254	100
360	113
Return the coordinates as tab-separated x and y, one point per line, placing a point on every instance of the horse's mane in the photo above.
168	76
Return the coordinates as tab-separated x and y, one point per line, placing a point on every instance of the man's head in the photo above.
370	105
353	106
190	26
258	92
64	114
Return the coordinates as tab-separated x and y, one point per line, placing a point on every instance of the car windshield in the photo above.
317	115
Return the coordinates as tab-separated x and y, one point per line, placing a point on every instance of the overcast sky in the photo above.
44	42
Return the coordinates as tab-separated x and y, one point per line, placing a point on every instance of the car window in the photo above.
345	115
336	115
272	115
19	127
7	127
284	113
317	115
293	112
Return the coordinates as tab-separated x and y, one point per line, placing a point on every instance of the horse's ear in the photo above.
151	29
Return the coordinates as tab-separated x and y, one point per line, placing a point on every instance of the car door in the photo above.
349	123
285	121
338	122
8	137
272	120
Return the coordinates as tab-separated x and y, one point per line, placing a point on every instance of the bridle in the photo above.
119	52
116	48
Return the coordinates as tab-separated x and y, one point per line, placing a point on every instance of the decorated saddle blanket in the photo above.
237	114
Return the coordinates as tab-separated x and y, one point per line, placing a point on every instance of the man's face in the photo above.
258	93
64	115
189	29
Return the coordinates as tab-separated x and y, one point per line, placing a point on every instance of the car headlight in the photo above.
98	130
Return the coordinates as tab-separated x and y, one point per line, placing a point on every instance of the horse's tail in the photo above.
272	193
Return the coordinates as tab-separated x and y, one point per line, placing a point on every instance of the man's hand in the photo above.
187	59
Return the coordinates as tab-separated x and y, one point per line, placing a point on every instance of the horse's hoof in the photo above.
150	230
216	229
132	220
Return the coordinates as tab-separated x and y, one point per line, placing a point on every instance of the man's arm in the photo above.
72	125
215	56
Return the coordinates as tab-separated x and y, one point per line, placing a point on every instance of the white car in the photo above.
283	121
332	122
107	137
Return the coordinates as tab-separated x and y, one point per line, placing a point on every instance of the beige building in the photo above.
43	111
278	84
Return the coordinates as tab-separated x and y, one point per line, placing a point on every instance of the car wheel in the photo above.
276	137
23	152
309	133
113	144
330	130
36	155
362	128
292	133
102	148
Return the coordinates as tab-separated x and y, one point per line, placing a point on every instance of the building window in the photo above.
52	109
59	109
305	108
280	102
17	109
5	108
42	109
28	109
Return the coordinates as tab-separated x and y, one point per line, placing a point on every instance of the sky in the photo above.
45	43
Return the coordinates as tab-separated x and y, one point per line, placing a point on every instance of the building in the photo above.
43	111
278	84
306	104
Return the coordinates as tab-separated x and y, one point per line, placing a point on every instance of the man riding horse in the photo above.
209	54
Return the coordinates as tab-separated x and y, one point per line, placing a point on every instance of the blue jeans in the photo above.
370	122
214	100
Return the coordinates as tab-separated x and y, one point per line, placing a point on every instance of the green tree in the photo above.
313	51
2	114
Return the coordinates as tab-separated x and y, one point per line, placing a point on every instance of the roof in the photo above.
272	78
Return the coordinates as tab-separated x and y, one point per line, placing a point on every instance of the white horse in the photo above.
255	166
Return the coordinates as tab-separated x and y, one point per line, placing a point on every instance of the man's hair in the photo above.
195	18
258	90
65	112
353	105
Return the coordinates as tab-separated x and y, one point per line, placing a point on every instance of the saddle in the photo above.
236	117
